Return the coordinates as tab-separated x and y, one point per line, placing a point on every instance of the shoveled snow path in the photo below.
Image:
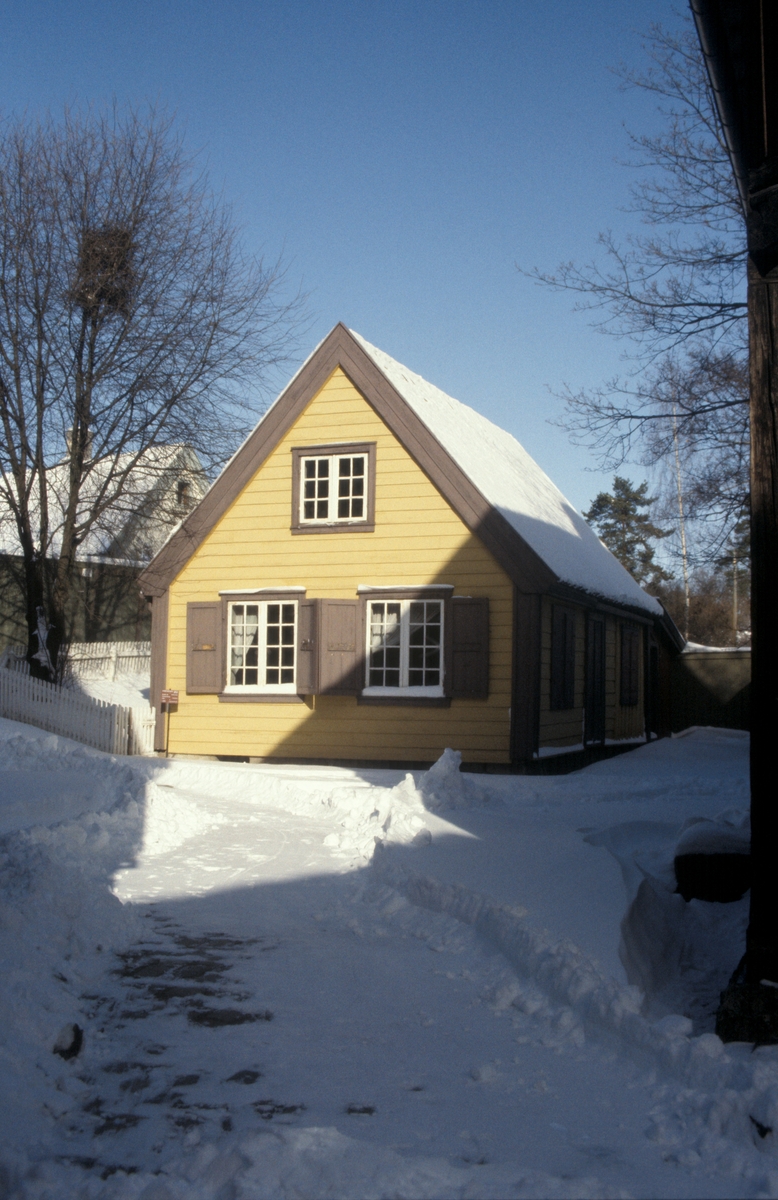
376	1005
272	973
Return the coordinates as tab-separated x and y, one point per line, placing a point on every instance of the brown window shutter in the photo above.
307	647
204	648
562	657
469	648
341	656
630	643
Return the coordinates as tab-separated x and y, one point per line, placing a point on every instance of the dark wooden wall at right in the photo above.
711	687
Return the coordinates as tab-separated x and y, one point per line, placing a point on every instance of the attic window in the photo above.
333	488
183	494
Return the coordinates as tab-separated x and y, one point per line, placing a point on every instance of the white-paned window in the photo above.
405	647
262	646
333	487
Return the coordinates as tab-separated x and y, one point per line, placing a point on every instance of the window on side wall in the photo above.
262	637
630	666
333	488
562	658
404	648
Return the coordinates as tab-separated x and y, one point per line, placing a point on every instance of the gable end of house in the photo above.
340	349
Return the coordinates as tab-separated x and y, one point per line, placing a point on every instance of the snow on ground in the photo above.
131	691
314	982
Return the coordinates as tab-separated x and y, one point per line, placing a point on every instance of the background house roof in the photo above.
515	485
135	525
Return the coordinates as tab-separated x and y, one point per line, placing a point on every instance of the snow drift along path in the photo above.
278	1008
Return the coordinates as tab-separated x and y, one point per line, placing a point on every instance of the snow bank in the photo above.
129	690
396	815
362	813
171	818
728	833
58	920
58	923
711	1094
679	954
72	818
314	1164
444	788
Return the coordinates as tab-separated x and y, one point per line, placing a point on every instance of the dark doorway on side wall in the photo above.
594	729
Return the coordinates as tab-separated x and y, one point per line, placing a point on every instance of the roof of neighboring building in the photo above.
133	527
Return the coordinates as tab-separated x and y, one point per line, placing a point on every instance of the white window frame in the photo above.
404	689
334	476
266	689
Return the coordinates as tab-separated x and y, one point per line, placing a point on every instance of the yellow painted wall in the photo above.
418	539
564	729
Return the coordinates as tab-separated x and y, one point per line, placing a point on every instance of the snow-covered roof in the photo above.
515	485
701	648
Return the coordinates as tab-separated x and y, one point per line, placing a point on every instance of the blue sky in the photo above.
404	157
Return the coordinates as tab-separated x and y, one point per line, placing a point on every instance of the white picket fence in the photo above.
14	658
108	660
109	727
90	660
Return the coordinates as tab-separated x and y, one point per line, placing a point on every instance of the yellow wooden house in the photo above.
379	573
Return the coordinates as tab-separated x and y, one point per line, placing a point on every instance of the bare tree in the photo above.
676	293
708	606
130	317
692	407
684	278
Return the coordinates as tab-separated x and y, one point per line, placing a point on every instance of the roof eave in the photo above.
603	603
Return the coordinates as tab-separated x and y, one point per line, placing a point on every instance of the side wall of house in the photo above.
561	727
564	729
624	723
418	539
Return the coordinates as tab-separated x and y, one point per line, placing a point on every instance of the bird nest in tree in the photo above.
105	275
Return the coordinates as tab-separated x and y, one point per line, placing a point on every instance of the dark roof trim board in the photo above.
279	418
576	595
340	349
714	29
669	627
663	622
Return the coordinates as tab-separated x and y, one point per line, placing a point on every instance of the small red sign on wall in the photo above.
169	697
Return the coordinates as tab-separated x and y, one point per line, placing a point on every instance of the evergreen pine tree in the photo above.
623	522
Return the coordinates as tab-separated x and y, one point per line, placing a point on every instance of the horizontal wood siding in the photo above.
565	728
418	539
